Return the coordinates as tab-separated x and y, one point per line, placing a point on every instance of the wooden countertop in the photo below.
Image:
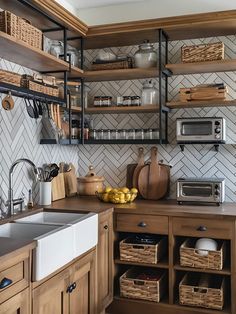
168	208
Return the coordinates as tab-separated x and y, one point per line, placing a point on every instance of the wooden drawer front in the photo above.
19	274
213	228
142	223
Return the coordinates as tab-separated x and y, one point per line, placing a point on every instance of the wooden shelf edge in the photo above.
128	109
164	265
120	74
224	271
200	104
202	67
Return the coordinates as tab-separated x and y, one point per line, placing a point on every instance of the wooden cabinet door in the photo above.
105	260
19	304
83	297
52	297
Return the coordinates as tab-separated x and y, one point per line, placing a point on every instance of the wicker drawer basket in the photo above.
209	294
149	290
27	81
10	78
189	256
115	65
198	53
20	29
141	252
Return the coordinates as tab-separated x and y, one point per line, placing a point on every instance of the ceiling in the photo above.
83	4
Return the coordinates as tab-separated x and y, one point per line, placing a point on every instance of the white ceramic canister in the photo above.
45	193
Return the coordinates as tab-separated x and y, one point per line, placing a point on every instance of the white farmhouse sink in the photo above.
83	229
54	245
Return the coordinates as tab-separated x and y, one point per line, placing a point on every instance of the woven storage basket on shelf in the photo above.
149	290
142	253
10	78
124	64
210	296
189	256
199	53
28	82
21	29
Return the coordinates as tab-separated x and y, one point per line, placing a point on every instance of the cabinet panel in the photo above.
51	297
196	227
142	223
19	304
105	261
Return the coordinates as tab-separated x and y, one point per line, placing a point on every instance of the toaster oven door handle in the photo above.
196	186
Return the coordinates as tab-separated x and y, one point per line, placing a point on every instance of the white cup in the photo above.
45	191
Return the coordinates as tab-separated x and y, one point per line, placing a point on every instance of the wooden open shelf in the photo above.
115	109
224	271
19	52
202	67
120	74
200	104
163	264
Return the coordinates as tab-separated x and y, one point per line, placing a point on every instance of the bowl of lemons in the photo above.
117	195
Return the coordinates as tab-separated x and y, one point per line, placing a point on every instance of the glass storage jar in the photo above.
74	56
127	101
139	134
114	134
57	48
150	95
135	101
146	56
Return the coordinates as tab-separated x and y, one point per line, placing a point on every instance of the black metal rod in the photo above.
82	53
65	43
82	112
160	84
43	13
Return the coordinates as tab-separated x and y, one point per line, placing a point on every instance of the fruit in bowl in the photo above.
117	195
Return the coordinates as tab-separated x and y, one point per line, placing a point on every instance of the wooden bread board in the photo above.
195	93
70	182
58	187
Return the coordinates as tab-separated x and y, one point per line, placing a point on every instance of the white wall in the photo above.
151	9
67	6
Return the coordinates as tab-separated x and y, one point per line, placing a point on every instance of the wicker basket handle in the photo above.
200	290
26	21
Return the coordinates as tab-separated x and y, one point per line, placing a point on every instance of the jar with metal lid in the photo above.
92	134
106	101
122	134
119	101
75	129
57	48
107	134
146	56
127	101
74	56
97	101
135	101
130	134
148	134
114	134
150	95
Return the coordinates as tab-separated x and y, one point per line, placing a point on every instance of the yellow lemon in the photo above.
134	190
124	190
108	189
128	197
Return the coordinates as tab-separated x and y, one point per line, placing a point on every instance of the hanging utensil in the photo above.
8	102
29	108
36	112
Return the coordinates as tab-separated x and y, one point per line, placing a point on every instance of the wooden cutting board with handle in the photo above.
70	181
153	179
138	167
58	185
129	175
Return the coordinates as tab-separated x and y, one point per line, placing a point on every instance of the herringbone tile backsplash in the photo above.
20	134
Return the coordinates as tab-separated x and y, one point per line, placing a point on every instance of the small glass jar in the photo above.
119	101
114	134
127	101
92	134
135	101
150	95
106	101
97	101
130	134
74	129
57	48
148	134
74	56
107	134
139	134
122	134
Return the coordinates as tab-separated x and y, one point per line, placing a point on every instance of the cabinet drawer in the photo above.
19	276
212	228
142	223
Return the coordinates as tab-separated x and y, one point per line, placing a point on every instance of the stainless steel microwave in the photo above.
201	130
203	190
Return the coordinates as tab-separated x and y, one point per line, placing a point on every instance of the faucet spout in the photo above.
10	202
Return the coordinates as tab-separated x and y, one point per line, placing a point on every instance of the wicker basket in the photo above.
149	290
209	295
142	253
10	78
124	64
198	53
20	29
189	256
27	81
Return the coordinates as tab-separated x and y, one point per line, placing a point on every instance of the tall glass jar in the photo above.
150	95
146	56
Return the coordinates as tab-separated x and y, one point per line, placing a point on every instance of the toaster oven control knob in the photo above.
217	130
217	123
217	192
217	136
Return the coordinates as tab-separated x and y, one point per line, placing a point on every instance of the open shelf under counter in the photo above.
162	264
225	271
122	109
120	74
19	52
202	67
200	104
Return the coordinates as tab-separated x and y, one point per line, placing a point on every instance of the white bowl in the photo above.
204	245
